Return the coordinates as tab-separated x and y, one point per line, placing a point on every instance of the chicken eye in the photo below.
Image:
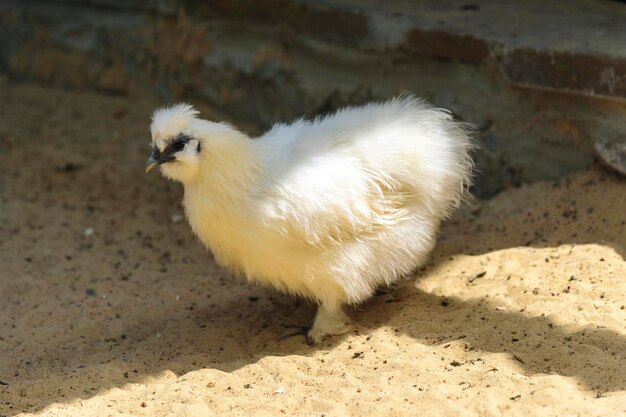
178	145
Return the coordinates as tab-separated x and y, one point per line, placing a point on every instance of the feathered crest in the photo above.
171	120
181	109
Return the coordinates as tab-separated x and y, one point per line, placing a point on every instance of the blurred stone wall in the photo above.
542	83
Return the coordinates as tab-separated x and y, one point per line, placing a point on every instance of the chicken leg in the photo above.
330	320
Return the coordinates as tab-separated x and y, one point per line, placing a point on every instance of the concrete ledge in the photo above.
577	46
595	75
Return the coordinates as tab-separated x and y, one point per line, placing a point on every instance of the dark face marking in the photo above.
175	145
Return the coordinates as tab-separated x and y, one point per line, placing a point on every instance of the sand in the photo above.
110	306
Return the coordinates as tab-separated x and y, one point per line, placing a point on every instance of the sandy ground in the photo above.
520	312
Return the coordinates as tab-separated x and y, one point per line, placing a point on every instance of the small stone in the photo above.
612	152
90	292
68	167
279	390
177	218
88	232
476	276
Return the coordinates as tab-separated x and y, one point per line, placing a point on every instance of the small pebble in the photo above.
68	167
143	404
612	151
476	276
90	292
88	232
177	218
279	390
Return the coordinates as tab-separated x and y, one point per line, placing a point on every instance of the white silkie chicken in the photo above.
328	209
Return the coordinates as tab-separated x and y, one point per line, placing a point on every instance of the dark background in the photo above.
544	82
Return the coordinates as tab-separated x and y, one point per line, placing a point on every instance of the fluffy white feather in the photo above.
328	209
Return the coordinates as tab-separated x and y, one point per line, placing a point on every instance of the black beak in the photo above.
158	158
152	162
